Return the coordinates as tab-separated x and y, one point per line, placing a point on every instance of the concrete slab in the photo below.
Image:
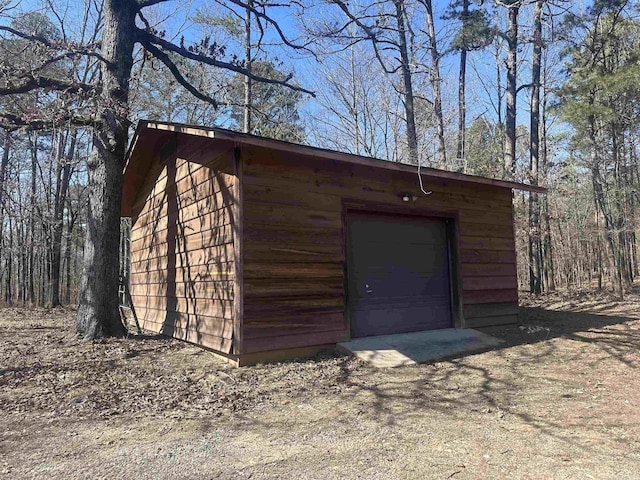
401	349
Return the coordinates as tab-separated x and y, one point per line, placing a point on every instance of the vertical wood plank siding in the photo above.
294	252
182	252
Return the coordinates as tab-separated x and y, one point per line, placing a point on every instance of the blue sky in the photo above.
177	18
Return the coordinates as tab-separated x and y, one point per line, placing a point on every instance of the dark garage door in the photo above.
398	274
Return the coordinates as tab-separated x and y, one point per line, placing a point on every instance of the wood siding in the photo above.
182	251
276	279
294	250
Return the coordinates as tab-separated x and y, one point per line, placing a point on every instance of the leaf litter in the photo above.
560	398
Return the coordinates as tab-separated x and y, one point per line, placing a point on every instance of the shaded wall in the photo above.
182	245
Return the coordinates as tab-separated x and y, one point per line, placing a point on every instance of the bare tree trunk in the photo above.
67	256
354	103
436	81
32	223
462	102
535	272
634	254
98	313
75	244
500	96
549	267
633	168
600	201
62	185
461	152
44	265
409	109
22	261
8	294
618	222
512	59
4	165
246	124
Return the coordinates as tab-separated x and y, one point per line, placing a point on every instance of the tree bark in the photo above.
547	253
461	153
354	105
98	313
62	186
600	202
535	272
462	102
598	245
409	109
246	127
71	219
617	150
499	92
436	81
4	165
8	294
510	119
31	263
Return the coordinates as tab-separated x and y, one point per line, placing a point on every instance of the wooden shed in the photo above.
261	249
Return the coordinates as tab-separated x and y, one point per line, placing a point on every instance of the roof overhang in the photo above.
150	137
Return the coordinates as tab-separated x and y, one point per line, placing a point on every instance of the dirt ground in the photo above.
560	399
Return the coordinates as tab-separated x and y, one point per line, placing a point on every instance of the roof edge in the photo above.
248	139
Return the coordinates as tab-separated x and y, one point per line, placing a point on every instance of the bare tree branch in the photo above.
31	82
34	38
370	34
145	37
164	58
274	24
72	48
144	20
149	3
11	122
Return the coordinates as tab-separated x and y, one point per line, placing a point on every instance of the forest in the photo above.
539	91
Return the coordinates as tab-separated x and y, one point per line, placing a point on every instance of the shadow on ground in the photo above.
557	371
548	375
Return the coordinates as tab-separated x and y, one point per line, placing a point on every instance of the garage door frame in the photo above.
451	220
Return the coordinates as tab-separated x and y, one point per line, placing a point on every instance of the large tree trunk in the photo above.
535	272
510	120
98	313
436	83
409	109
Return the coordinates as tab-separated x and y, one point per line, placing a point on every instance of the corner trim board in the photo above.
238	243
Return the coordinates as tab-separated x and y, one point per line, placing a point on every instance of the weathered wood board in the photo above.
182	247
294	242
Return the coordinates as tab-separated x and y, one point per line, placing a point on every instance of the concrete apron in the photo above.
387	351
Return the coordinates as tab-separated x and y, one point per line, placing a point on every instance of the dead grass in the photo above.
560	399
